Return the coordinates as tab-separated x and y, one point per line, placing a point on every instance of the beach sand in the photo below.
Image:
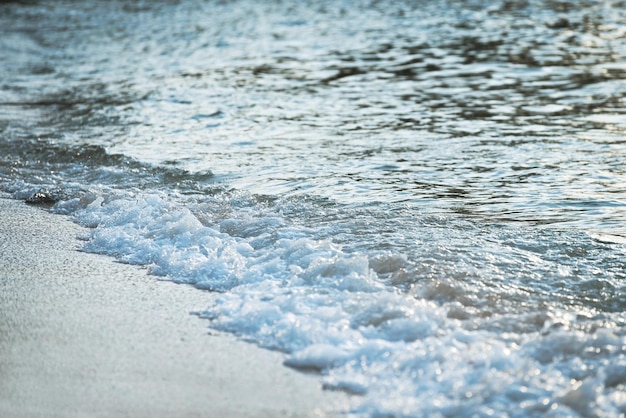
84	336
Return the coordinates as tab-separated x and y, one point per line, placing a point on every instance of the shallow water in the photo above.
424	202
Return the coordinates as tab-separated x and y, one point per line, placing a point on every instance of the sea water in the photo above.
424	202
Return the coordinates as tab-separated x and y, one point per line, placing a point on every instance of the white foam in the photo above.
332	311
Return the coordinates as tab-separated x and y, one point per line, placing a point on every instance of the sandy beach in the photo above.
84	336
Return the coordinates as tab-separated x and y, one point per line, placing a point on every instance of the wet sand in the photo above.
83	336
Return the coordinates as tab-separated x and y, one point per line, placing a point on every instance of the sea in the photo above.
423	202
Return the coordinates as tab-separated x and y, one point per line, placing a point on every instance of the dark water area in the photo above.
425	201
519	105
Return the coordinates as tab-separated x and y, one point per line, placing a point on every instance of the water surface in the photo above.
423	202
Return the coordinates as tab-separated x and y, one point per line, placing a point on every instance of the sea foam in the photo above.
285	287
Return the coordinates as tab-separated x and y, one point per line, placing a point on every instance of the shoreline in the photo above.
83	335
